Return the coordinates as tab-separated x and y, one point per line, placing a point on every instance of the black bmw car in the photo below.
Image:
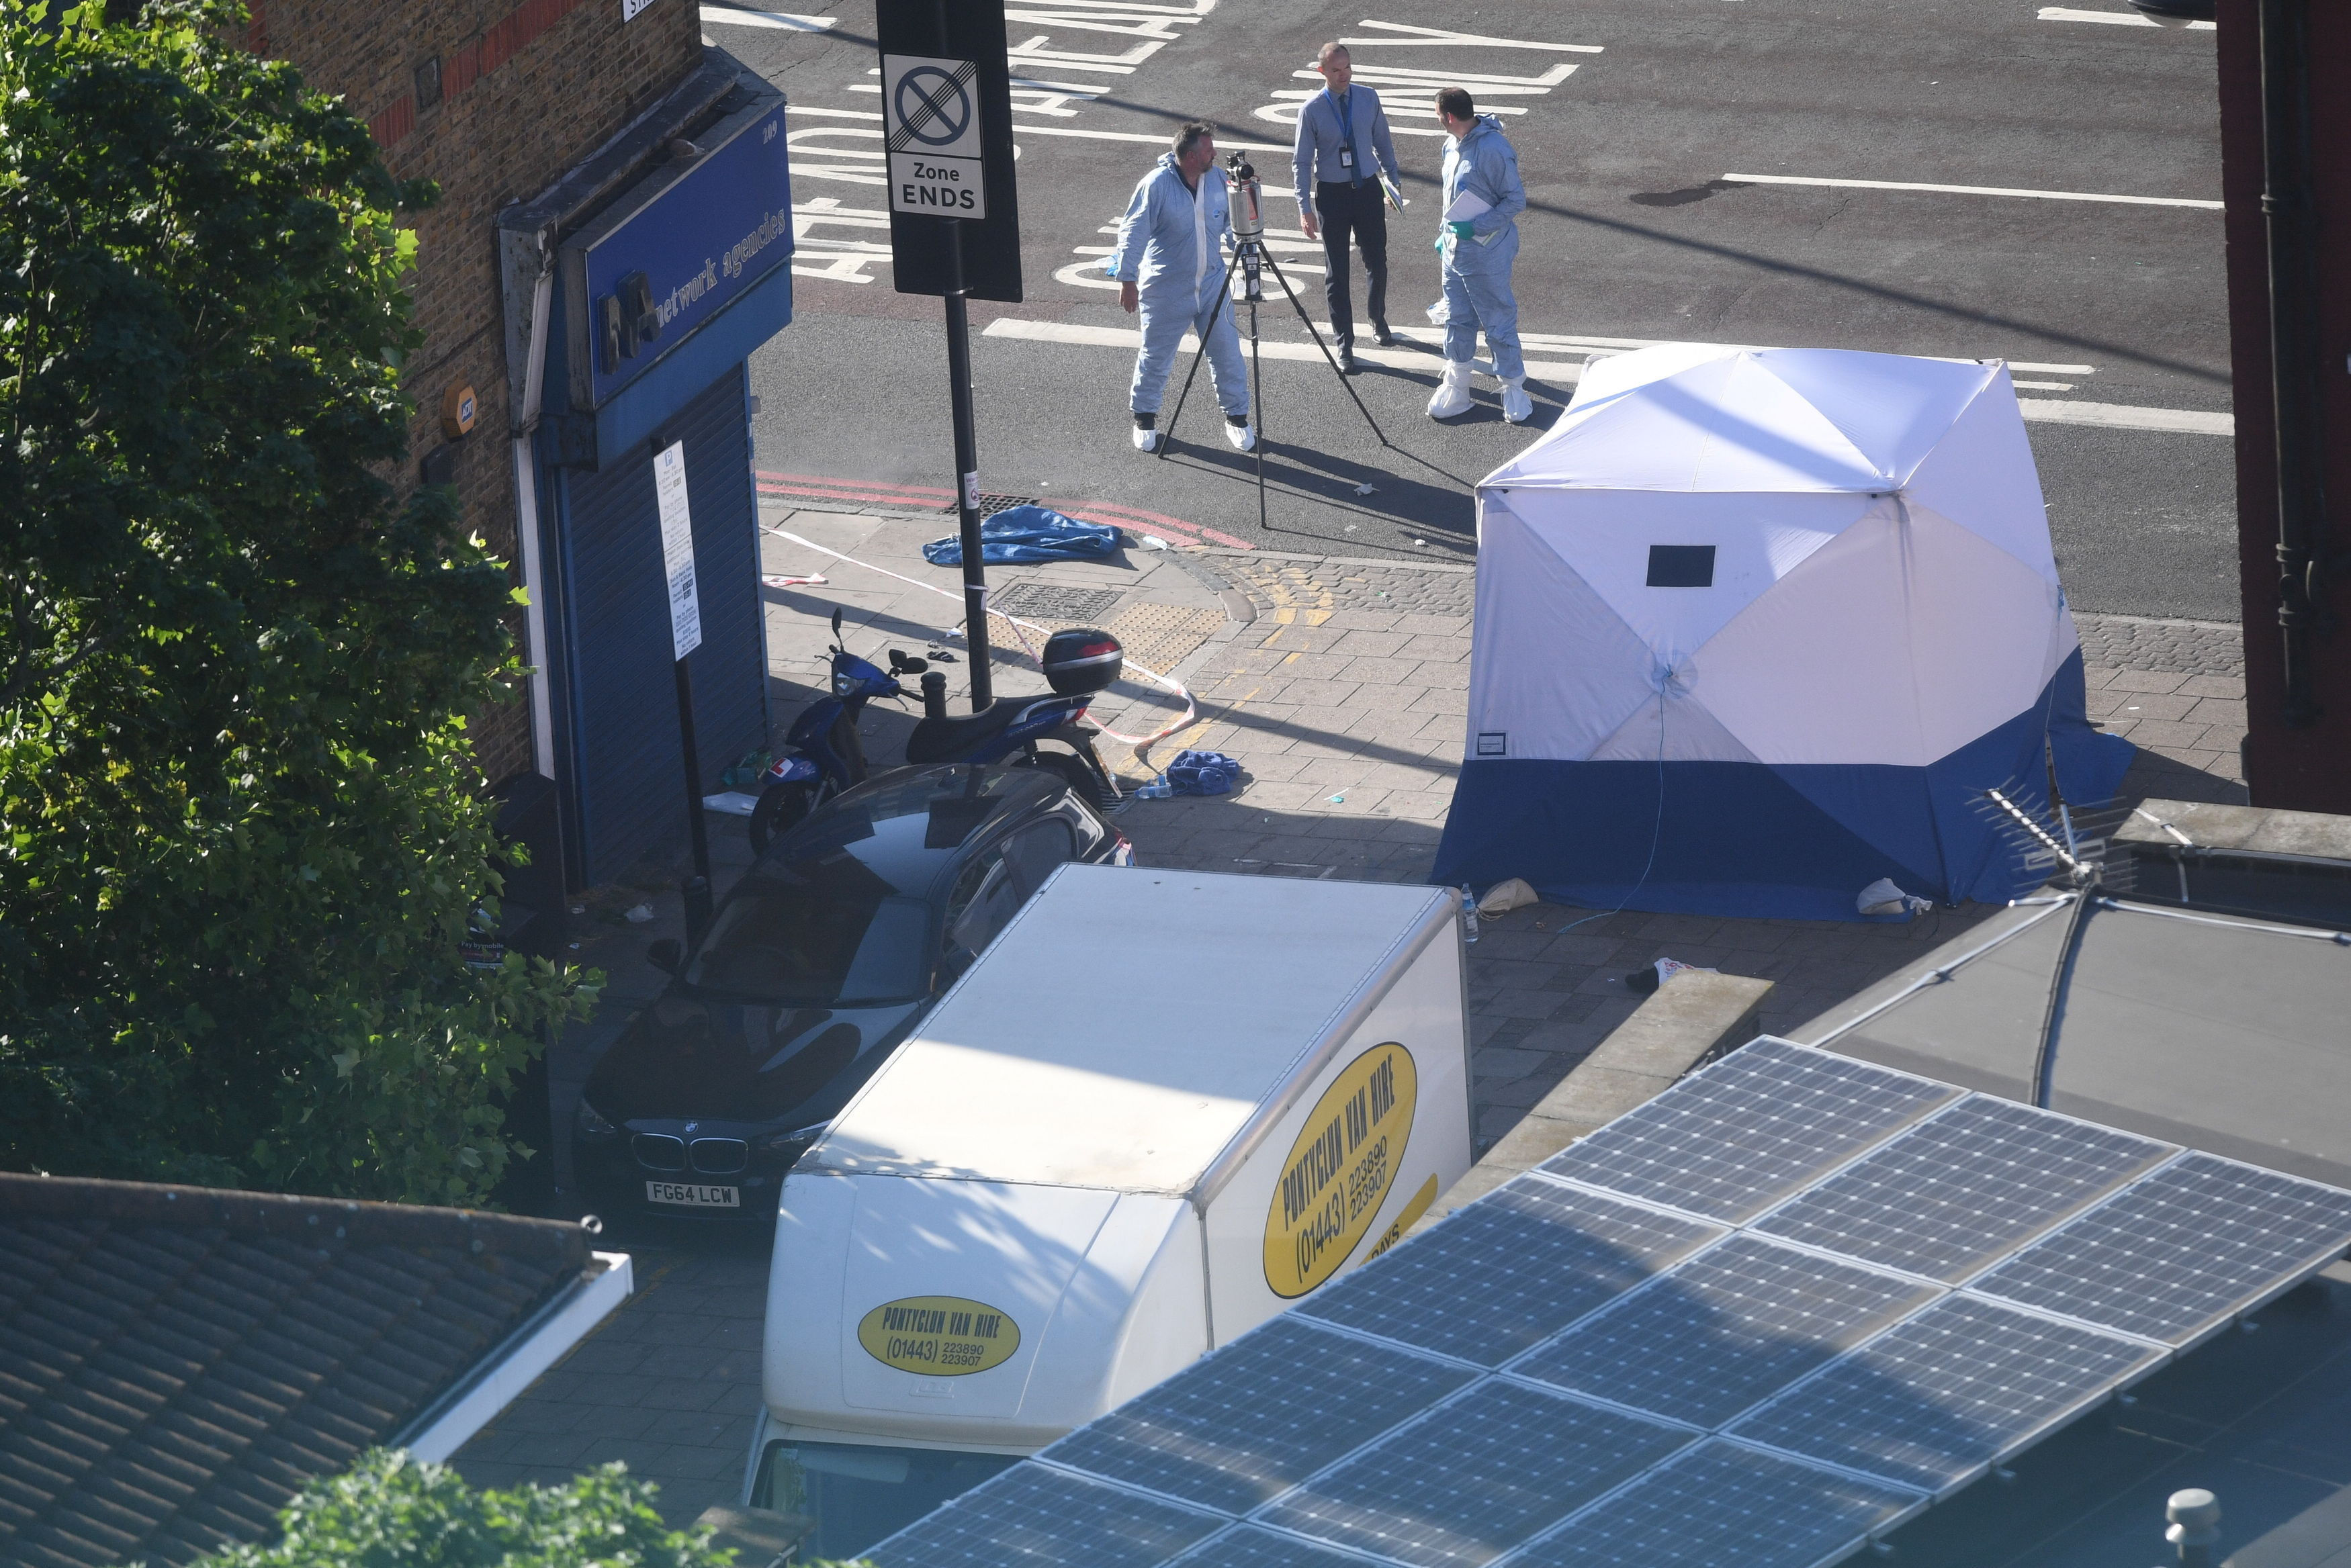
819	962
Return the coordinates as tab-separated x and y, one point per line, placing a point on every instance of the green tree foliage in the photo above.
391	1511
241	828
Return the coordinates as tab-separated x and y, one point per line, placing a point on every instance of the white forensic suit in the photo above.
1171	246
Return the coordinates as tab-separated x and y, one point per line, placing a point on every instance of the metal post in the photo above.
697	889
967	457
1252	250
2295	390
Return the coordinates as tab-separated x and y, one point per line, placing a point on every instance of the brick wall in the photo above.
523	91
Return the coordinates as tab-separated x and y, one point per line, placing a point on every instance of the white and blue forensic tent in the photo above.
1756	627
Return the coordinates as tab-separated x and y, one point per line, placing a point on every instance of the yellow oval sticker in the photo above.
1340	1169
939	1336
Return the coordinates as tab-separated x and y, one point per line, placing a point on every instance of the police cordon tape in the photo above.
1021	628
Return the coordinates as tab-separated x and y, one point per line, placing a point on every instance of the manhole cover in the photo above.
990	506
1050	601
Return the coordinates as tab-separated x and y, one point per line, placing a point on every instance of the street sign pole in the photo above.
967	457
697	891
686	635
946	128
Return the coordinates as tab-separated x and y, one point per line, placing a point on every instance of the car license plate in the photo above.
694	1195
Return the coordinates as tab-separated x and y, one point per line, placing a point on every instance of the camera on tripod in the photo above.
1248	198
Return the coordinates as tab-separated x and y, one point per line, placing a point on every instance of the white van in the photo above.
1162	1107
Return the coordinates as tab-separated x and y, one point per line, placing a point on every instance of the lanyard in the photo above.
1346	107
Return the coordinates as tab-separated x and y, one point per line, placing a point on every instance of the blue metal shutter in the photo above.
621	697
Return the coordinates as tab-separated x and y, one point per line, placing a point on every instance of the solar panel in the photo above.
1206	1435
1246	1546
1719	1504
1541	1255
1722	1331
2182	1250
1694	1342
1030	1516
1474	1478
1933	1400
1756	1125
1963	1188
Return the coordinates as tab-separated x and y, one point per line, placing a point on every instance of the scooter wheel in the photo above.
1081	778
780	809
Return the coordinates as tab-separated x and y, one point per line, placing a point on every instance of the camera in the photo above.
1249	197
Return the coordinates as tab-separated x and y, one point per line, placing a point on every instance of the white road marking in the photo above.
1287	95
1973	191
1287	114
1086	275
1130	338
1586	343
2119	18
1154	139
2041	386
2123	416
1159	141
1430	37
2117	416
790	21
1377	75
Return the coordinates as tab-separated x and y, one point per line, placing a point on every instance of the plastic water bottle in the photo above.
1157	789
1468	914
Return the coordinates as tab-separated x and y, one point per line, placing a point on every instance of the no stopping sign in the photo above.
930	116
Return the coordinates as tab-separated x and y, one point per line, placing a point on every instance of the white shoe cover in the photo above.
1517	407
1452	396
1147	441
1243	437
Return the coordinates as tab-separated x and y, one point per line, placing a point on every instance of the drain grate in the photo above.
990	506
1052	601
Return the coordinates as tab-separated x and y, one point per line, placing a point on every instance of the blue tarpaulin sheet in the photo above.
1020	534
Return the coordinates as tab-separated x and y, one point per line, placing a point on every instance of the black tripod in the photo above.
1250	258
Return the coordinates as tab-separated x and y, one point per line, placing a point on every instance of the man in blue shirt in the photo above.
1170	266
1341	131
1483	198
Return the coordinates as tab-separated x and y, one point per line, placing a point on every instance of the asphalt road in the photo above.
1634	114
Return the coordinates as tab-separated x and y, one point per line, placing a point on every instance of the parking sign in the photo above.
930	123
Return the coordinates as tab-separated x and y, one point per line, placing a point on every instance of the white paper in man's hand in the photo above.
1466	206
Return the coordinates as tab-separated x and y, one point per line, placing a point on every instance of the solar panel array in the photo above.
1763	1319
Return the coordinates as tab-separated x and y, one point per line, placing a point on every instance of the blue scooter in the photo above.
824	756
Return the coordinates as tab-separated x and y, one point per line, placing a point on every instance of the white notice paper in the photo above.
1466	206
677	549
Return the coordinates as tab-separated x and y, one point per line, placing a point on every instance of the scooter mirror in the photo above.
836	623
666	954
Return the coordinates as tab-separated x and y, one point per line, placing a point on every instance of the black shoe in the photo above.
1383	336
1346	361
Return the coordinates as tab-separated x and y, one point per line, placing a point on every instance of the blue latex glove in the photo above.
1463	229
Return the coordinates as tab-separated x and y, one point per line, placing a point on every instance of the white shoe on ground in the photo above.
1147	438
1242	435
1517	407
1452	395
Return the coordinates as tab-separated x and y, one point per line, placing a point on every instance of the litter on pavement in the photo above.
1645	980
1203	772
1026	533
1505	896
1883	897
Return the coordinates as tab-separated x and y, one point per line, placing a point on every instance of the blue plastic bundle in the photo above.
1203	772
1020	534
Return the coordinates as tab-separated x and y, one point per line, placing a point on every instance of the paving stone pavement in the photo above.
1342	687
